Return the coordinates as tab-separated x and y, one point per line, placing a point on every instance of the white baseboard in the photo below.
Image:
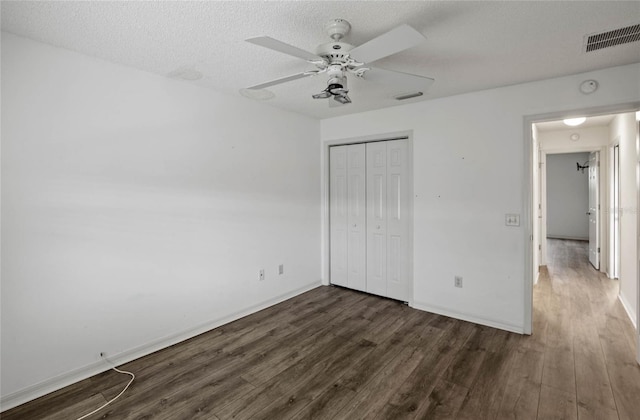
627	309
571	238
58	382
468	317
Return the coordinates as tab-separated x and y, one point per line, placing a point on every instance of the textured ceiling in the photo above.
470	45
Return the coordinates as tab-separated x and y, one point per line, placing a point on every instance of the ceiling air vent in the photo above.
612	38
408	96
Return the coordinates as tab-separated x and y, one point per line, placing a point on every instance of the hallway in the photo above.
588	367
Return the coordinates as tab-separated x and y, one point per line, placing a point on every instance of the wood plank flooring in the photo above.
334	353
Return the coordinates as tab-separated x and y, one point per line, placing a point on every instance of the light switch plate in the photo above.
512	219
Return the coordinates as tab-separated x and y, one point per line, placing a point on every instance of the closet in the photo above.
369	217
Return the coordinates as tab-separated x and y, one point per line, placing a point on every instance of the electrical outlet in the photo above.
281	269
457	281
262	274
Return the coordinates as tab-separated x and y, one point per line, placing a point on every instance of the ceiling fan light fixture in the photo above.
337	89
336	59
322	95
574	122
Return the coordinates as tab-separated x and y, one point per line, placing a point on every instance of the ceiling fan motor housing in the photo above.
334	51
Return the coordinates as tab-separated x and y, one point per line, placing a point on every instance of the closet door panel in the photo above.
356	187
377	218
398	284
338	215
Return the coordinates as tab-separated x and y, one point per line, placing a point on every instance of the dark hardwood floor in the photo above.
333	353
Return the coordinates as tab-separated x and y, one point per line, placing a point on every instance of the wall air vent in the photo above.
612	38
409	96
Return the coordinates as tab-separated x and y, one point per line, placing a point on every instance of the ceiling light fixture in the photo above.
573	122
258	94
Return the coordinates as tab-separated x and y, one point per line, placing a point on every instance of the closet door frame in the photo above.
325	220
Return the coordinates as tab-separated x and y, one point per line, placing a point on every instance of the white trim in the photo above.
571	238
467	317
60	381
627	309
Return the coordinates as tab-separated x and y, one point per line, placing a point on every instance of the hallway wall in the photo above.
623	127
567	196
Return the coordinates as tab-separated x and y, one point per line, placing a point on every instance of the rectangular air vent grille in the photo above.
612	38
408	96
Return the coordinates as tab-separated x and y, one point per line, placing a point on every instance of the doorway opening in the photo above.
610	136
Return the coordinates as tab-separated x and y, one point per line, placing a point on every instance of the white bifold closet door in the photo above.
369	218
348	215
387	219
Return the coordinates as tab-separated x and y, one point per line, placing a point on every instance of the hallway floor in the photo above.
588	367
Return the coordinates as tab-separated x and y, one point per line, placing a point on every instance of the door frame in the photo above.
614	225
638	234
596	157
324	201
527	188
602	226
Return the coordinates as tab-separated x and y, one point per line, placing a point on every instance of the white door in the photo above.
594	207
338	214
388	220
398	282
377	218
356	256
347	213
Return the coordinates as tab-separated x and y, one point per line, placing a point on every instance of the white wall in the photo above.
469	168
624	128
567	196
138	210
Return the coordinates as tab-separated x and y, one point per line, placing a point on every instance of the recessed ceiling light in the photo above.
186	73
572	122
258	94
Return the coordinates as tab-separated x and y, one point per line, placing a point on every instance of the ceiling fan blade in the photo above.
281	80
403	81
396	40
274	44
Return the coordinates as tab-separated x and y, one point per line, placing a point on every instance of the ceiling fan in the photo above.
337	59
